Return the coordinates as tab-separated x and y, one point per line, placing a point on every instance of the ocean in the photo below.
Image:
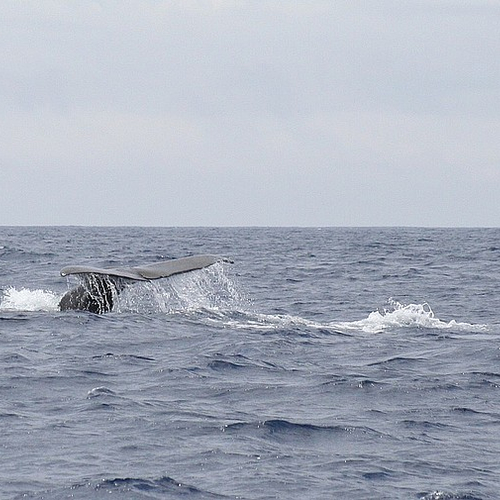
323	363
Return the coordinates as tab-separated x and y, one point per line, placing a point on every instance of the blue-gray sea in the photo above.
324	363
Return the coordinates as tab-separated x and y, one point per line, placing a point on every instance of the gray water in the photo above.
323	363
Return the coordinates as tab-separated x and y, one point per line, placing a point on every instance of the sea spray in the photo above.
29	300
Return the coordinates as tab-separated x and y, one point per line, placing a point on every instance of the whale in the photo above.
100	286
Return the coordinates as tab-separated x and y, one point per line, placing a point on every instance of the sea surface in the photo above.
323	363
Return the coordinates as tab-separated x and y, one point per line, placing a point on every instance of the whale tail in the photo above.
101	286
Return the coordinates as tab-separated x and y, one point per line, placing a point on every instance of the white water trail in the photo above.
218	300
396	316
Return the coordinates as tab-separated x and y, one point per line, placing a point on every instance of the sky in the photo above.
250	113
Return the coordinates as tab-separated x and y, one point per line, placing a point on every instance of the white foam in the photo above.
407	316
29	300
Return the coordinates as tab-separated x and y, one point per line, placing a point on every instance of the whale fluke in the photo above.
101	285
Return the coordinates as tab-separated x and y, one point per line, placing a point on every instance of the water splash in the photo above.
398	315
204	289
29	300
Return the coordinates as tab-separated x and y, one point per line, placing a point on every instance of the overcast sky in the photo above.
242	113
